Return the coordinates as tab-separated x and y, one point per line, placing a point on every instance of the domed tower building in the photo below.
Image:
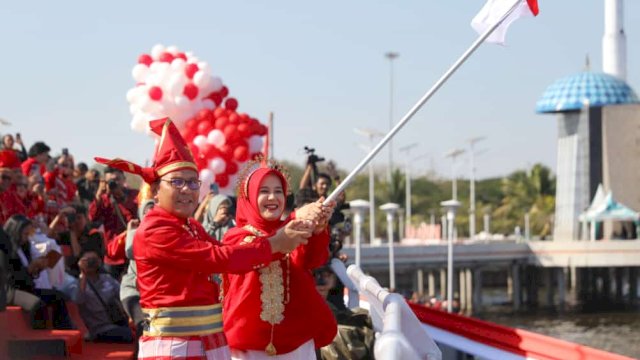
598	133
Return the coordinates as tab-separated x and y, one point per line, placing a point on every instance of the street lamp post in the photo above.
407	149
453	154
358	207
391	209
371	134
472	190
450	206
391	56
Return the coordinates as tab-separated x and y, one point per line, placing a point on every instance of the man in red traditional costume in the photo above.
176	257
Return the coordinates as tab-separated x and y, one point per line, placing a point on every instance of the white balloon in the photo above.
208	104
156	50
201	79
255	144
140	72
200	141
172	49
204	67
206	175
176	85
177	65
216	83
217	165
132	95
216	137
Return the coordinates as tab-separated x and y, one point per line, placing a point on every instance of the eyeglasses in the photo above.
179	183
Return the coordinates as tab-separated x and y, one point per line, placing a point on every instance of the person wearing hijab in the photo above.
218	218
20	269
175	257
275	310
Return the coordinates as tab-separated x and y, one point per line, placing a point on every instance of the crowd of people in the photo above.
137	264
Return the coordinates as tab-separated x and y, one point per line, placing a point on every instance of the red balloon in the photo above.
190	91
234	118
145	59
226	151
204	127
166	57
243	130
241	153
263	130
216	98
182	56
188	134
222	179
218	112
201	163
231	168
191	124
155	93
221	123
209	151
231	104
224	92
230	132
190	70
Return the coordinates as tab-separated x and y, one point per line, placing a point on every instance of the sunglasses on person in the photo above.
179	183
6	178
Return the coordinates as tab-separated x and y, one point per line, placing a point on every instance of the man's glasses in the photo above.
179	183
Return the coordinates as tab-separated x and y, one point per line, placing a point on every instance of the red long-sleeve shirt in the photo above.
113	226
306	315
175	264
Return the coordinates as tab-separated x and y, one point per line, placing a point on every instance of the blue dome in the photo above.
585	89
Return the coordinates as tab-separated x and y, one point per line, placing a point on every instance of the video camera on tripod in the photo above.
312	158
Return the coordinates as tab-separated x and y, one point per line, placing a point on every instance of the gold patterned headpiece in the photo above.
242	187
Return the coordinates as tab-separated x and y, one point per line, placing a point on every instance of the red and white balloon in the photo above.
175	84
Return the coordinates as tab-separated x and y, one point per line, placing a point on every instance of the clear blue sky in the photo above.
66	67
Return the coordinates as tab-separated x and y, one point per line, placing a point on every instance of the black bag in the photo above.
114	309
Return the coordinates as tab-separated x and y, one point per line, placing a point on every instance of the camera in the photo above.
312	157
112	184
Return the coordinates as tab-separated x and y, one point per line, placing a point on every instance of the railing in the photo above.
400	335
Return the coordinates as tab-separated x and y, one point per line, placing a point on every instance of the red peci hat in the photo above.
172	154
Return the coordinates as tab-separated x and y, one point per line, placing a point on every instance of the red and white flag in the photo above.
493	10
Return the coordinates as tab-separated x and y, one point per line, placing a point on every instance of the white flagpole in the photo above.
419	104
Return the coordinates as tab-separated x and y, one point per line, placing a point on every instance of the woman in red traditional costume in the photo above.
275	310
176	257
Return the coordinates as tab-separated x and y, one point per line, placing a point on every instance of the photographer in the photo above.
114	206
313	182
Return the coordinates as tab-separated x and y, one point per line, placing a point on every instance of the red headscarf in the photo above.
247	212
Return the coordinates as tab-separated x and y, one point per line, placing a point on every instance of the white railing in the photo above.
399	333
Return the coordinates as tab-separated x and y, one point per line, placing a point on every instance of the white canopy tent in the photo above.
605	207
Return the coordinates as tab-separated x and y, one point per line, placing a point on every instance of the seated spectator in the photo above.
355	336
37	161
20	270
88	185
114	206
80	237
99	303
80	171
8	143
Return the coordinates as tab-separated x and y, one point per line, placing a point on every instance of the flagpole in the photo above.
419	104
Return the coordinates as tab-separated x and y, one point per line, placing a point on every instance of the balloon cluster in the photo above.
221	140
175	84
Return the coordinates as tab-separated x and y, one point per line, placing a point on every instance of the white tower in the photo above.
614	41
